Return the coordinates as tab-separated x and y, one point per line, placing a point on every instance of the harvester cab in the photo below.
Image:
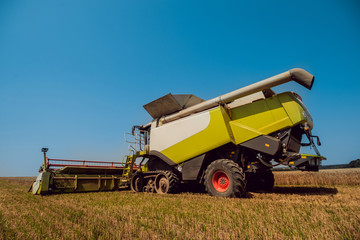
229	144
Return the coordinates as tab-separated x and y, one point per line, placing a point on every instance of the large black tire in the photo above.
224	178
263	182
167	182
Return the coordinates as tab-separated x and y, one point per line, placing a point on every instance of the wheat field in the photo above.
323	205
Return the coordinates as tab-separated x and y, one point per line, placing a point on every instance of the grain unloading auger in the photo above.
229	143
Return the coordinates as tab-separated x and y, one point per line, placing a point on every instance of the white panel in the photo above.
174	132
245	100
36	184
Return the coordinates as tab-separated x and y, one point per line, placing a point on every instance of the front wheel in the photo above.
224	178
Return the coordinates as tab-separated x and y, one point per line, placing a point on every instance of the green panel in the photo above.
258	118
293	108
254	115
280	118
242	133
215	135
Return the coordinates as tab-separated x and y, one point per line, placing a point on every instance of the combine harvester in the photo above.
229	144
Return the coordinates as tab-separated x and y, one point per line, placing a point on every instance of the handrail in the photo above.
53	162
69	160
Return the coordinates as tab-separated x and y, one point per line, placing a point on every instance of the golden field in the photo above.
323	205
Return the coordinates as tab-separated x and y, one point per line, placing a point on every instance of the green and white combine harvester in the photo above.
229	144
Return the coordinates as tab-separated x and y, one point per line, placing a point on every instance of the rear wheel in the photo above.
167	182
224	178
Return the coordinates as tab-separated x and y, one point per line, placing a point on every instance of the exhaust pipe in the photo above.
297	74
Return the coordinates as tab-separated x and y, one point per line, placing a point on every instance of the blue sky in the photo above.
75	74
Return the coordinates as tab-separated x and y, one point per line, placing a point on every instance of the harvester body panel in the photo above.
191	136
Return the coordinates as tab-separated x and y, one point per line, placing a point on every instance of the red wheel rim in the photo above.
220	181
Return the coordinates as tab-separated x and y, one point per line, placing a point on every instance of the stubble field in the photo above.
323	205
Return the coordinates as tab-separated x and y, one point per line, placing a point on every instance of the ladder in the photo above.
129	161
